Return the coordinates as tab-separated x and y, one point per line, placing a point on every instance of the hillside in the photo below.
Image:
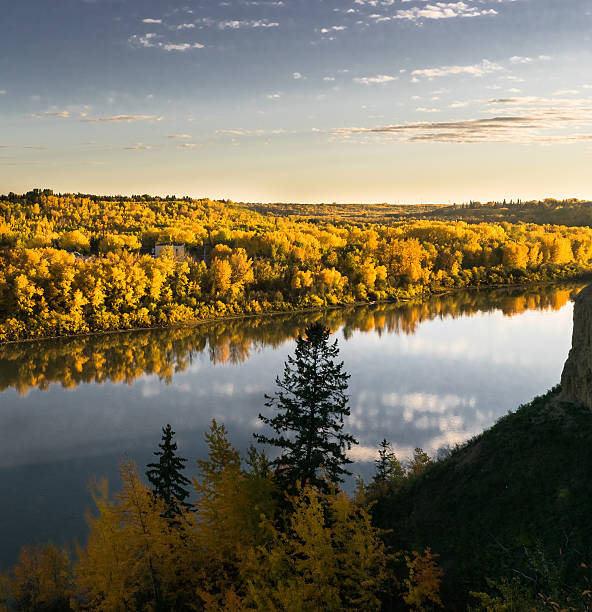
553	212
512	503
350	213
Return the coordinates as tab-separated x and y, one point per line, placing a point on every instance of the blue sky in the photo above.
298	100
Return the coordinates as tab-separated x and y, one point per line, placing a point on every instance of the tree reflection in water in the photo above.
125	357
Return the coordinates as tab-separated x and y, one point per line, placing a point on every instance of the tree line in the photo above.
164	352
74	265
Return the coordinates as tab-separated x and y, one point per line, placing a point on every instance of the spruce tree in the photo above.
166	476
388	467
311	404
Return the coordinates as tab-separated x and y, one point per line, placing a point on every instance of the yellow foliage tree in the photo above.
423	583
41	579
330	557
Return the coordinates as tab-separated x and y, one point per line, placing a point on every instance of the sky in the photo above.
401	101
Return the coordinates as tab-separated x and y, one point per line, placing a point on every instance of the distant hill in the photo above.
376	213
554	212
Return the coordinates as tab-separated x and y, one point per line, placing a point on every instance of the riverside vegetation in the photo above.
125	358
74	264
499	523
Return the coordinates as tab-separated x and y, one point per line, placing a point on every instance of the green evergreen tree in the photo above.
311	405
166	476
388	467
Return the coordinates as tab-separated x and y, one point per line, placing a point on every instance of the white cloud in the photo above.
443	10
517	59
380	78
297	75
235	24
138	147
187	145
185	26
151	40
126	118
180	136
334	28
523	120
274	96
181	46
148	20
476	70
566	92
61	114
2	92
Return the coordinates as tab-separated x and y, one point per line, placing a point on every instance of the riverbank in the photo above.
583	278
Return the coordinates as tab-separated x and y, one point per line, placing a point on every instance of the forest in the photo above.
78	264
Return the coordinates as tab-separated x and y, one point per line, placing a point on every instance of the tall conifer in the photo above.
311	405
166	476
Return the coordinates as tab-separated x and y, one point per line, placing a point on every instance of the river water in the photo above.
430	373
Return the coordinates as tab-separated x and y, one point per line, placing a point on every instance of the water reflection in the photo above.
429	373
124	357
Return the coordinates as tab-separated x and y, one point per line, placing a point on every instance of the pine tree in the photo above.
166	476
311	405
388	467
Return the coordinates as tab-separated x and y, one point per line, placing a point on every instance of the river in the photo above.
430	373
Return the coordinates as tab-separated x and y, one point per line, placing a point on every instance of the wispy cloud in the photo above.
2	92
517	59
244	132
335	28
477	70
138	147
235	24
442	10
187	145
380	78
180	136
525	120
126	118
61	114
152	40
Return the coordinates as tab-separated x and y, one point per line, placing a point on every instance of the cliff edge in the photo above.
576	379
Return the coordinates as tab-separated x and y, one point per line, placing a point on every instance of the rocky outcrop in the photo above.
576	380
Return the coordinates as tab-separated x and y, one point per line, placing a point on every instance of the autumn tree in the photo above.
41	580
132	560
419	462
329	556
311	405
166	476
423	583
